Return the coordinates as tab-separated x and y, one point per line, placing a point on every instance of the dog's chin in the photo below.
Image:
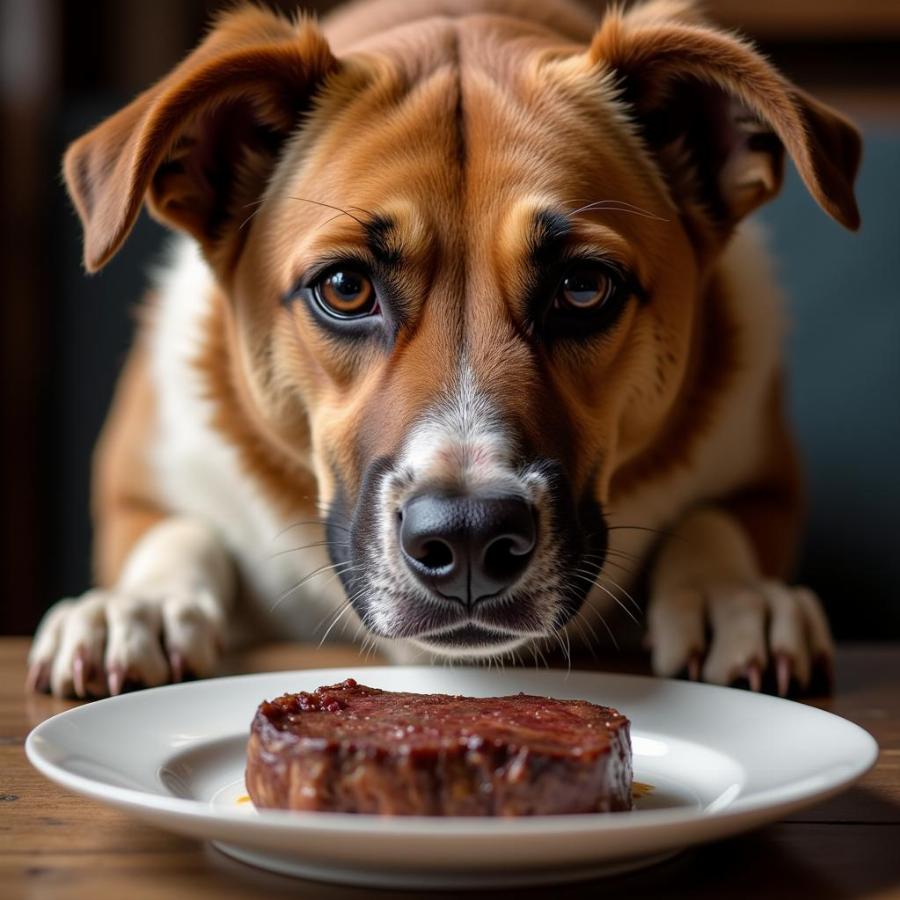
469	641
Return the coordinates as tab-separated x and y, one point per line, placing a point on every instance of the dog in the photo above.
467	319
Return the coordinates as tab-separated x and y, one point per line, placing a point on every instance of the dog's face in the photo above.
465	292
469	326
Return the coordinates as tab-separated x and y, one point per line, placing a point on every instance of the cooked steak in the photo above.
357	749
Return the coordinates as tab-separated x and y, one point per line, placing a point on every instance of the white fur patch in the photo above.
461	445
200	474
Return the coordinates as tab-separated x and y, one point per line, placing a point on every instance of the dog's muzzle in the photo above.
472	572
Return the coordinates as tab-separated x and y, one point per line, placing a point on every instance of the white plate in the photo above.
720	760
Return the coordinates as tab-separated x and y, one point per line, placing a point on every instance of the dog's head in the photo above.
460	265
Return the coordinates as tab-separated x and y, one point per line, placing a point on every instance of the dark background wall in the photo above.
63	336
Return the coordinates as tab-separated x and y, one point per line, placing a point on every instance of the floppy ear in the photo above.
201	143
718	116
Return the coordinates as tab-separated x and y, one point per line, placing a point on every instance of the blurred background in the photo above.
67	64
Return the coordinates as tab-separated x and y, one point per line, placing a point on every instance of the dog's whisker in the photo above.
618	586
333	517
594	583
583	622
618	206
307	522
659	531
329	613
307	547
329	221
337	209
605	624
360	640
307	579
568	650
623	554
612	551
337	619
243	224
601	561
621	567
329	579
627	570
558	638
618	603
579	622
585	575
582	635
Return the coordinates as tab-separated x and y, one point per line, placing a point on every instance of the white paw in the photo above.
98	643
764	631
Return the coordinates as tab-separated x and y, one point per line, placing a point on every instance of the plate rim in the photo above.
752	807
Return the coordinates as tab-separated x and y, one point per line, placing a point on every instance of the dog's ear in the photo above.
201	143
718	117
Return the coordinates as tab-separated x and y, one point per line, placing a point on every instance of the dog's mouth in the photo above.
469	639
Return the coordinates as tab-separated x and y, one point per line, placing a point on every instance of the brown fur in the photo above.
714	357
771	509
125	498
459	127
287	484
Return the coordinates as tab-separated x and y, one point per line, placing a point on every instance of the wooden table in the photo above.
54	844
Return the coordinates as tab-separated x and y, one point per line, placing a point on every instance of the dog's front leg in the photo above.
714	613
163	619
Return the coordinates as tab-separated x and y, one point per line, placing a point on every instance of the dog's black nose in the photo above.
467	548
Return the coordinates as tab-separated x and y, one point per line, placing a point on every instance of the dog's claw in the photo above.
754	677
115	680
693	667
78	679
784	667
38	677
176	663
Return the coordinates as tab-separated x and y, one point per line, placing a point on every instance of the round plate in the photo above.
719	760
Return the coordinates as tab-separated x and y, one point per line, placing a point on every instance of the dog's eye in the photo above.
586	287
346	293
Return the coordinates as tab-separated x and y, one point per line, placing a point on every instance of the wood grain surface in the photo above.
54	844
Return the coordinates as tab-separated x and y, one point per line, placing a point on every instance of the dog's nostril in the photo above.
503	558
506	558
436	555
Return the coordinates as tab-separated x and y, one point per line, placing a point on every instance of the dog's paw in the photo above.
766	633
105	641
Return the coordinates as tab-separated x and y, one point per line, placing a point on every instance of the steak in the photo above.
356	749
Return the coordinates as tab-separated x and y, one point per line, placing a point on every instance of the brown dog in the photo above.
465	317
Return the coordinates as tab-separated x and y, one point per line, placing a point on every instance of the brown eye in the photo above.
586	288
346	294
